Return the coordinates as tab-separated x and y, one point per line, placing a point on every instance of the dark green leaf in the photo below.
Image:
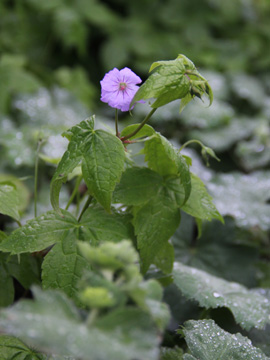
63	266
6	283
25	268
219	245
155	222
163	158
137	186
200	203
98	226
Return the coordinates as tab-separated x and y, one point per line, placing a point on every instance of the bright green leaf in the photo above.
200	203
207	341
147	130
39	233
249	308
172	80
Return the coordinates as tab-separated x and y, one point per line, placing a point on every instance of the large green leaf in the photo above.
63	266
245	197
146	130
13	348
207	341
97	226
249	308
9	200
155	222
53	324
137	186
40	233
102	155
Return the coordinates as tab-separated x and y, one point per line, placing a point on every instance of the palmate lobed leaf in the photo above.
207	341
102	156
249	308
63	266
124	334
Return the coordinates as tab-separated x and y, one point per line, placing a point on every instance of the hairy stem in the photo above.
140	126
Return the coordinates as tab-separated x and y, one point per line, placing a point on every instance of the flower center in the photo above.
122	86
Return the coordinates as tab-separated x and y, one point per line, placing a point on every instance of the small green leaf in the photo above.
147	130
63	266
172	80
155	222
9	200
137	186
123	334
200	203
207	341
163	158
40	233
103	165
249	308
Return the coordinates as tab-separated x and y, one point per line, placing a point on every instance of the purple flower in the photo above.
118	88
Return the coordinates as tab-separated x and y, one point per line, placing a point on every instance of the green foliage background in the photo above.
53	54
